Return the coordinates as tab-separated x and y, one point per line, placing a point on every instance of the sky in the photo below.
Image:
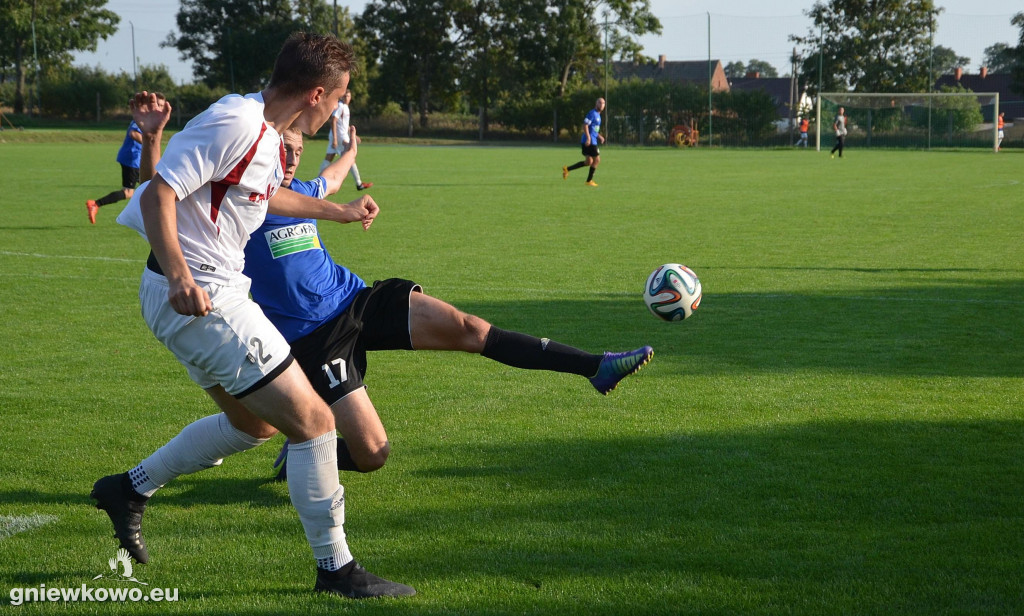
741	30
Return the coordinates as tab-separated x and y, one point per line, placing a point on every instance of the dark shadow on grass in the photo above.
207	489
837	517
958	329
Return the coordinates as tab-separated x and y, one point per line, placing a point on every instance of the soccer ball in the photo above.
673	292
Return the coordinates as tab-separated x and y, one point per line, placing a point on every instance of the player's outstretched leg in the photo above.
92	208
617	366
439	326
355	582
114	494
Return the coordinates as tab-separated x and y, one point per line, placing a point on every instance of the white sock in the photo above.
324	165
355	174
319	498
202	444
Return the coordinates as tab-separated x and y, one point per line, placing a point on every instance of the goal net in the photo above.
959	119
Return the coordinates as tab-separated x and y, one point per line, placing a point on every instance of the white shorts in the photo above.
341	149
234	346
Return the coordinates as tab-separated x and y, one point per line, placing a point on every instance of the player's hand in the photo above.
363	209
353	140
151	111
600	138
188	298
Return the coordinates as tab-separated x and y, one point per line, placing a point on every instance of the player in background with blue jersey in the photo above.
128	157
589	141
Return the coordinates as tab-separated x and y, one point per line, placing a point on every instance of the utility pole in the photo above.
135	72
711	109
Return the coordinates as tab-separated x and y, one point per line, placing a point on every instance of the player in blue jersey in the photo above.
332	318
588	141
128	157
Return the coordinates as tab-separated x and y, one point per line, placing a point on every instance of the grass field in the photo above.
838	430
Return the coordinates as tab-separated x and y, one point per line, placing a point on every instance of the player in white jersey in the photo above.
339	140
214	185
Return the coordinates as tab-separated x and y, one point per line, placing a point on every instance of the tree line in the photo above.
509	60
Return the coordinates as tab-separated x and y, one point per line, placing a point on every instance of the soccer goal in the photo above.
920	121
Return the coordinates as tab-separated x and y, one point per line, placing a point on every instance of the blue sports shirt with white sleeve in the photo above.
294	279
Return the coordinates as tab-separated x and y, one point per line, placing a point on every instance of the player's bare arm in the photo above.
151	111
290	203
159	214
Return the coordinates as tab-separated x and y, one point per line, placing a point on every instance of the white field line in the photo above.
8	253
13	524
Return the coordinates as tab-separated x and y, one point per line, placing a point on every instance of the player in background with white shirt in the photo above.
217	180
340	141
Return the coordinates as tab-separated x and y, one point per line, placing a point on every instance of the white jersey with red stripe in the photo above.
223	166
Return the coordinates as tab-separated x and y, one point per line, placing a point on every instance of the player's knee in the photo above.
475	331
128	192
375	459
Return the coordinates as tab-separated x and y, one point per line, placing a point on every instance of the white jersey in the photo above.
224	167
344	116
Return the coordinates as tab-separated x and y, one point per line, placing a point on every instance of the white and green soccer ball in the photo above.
673	292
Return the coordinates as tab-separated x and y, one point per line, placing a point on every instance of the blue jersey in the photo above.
591	124
294	279
130	154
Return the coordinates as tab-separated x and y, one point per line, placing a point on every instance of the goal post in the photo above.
954	119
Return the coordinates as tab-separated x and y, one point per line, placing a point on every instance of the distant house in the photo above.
1012	103
690	71
778	89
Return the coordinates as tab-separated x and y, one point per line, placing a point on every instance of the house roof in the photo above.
685	71
775	87
1012	103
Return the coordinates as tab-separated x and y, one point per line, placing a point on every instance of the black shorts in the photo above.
333	356
129	177
590	150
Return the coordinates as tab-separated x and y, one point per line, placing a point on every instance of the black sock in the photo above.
345	461
114	197
522	351
582	163
591	175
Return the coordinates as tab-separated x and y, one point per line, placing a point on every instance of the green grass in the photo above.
838	430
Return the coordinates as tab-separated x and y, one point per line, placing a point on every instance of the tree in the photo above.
945	61
234	43
1017	69
231	42
735	70
61	27
870	45
763	68
1000	58
573	32
738	70
411	39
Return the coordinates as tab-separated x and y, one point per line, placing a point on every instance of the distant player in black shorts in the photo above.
591	137
128	157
